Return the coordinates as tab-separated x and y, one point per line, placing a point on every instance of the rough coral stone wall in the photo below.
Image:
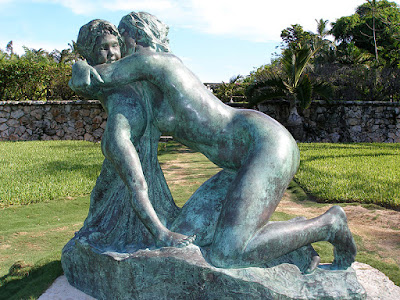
57	120
86	120
338	121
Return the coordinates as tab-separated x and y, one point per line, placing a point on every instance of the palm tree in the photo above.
291	83
227	91
322	30
327	52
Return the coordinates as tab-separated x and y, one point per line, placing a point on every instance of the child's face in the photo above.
106	50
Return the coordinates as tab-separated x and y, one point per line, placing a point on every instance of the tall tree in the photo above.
374	27
293	36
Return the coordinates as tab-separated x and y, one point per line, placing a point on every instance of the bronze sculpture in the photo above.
149	92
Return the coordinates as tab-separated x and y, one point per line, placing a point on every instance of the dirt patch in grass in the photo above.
32	246
21	233
176	169
4	246
180	172
64	228
379	228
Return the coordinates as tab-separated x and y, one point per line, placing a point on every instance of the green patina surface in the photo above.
148	93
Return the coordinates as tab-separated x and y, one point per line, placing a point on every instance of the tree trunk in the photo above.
294	122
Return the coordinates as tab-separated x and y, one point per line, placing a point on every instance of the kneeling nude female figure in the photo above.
230	212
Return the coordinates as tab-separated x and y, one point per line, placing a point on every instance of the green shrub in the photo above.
36	75
26	80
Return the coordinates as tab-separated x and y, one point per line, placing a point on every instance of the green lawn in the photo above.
365	173
32	172
57	177
41	171
31	240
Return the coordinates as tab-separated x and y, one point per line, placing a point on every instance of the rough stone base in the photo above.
173	273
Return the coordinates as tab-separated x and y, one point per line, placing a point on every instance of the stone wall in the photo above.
57	120
86	120
350	121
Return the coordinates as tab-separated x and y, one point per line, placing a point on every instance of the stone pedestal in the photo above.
184	273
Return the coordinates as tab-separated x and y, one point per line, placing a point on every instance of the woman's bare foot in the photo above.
345	248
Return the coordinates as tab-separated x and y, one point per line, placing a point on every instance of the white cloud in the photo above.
258	20
254	20
18	45
152	5
78	7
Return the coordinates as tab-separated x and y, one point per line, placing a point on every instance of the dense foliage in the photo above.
232	91
361	64
36	75
361	82
374	28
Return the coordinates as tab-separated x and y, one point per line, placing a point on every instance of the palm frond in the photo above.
295	61
324	90
303	57
304	92
272	87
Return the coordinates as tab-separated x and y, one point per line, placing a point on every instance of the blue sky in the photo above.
216	39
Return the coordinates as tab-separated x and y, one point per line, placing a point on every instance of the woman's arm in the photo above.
85	80
156	68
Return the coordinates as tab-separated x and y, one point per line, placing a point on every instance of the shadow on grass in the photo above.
323	157
75	144
369	146
173	147
57	167
25	282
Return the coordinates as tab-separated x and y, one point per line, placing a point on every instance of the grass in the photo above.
31	240
184	179
365	173
40	171
33	235
31	172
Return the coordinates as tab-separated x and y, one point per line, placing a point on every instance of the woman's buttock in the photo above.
252	134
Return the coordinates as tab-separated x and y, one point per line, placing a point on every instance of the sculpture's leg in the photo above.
200	213
243	236
287	236
252	198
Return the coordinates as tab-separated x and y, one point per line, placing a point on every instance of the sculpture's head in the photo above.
99	42
143	31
